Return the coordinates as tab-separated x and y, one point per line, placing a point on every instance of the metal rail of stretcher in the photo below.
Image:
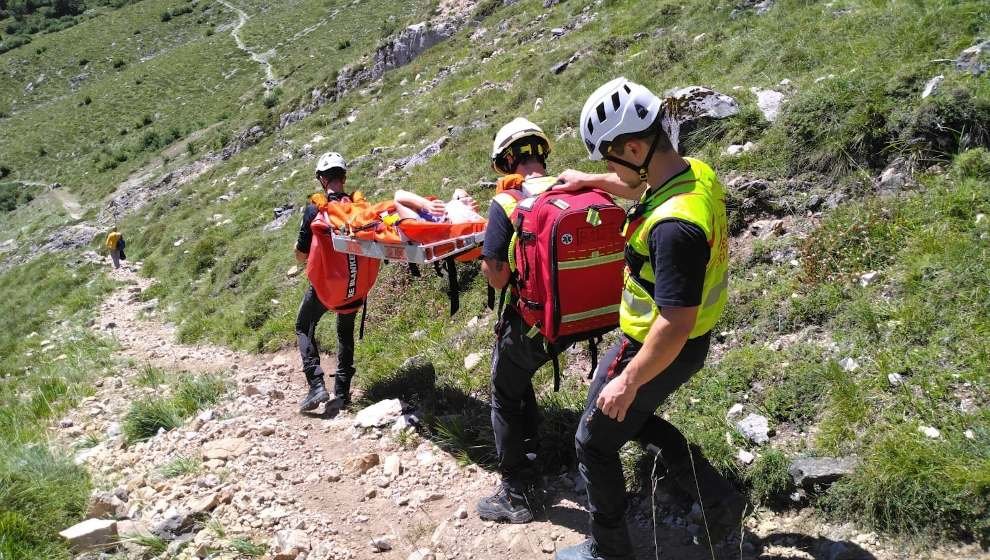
407	251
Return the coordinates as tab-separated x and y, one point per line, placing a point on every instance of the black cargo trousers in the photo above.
515	414
599	438
310	312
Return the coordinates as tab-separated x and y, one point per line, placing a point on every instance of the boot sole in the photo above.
312	405
519	517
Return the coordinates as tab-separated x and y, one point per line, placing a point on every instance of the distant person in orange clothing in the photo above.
115	246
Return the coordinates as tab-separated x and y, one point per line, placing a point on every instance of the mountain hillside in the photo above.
853	138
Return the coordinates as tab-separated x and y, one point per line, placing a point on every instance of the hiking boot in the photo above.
586	551
317	394
506	504
342	389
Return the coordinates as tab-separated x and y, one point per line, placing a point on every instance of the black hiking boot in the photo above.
317	394
510	505
342	389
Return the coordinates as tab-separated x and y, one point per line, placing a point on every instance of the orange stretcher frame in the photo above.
415	242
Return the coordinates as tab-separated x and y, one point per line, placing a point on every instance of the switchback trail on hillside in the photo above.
260	58
254	469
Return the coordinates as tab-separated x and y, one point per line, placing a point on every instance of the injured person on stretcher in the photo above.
460	209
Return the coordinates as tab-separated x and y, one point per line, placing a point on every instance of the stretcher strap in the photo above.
593	351
364	312
453	288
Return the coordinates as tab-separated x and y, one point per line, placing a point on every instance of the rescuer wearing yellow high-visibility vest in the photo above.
674	292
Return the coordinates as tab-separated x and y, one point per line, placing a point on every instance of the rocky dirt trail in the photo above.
317	487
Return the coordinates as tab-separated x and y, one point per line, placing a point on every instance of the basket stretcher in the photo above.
414	242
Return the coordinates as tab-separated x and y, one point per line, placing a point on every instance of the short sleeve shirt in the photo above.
305	238
498	234
679	254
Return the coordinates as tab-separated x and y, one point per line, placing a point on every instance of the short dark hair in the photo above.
332	172
655	131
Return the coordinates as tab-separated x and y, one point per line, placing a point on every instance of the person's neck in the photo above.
663	167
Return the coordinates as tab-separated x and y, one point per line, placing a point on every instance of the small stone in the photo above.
422	554
113	430
867	278
92	534
930	432
969	434
980	218
292	272
557	31
547	546
250	390
755	428
393	466
381	544
745	457
848	364
289	544
734	410
379	414
769	102
363	463
809	472
370	493
225	449
462	512
895	379
932	85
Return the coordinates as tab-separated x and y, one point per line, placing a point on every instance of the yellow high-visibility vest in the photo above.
695	196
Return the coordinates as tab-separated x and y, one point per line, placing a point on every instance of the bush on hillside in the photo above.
13	195
946	124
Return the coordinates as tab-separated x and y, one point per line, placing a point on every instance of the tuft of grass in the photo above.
193	392
179	466
151	376
154	545
916	486
248	548
197	392
147	416
768	478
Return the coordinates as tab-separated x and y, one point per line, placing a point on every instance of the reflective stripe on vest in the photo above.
695	196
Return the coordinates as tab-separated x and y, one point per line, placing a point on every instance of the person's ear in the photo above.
633	149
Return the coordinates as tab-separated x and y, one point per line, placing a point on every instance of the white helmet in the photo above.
508	137
618	107
330	160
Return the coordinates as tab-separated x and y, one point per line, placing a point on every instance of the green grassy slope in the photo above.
856	70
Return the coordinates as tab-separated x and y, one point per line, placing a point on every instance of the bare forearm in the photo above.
410	199
608	182
300	256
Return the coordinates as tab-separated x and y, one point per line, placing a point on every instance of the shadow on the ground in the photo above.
460	423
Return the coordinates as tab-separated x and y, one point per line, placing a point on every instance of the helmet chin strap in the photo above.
643	169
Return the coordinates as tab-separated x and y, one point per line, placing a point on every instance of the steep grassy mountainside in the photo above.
858	323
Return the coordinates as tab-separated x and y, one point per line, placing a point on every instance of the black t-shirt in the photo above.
305	234
679	254
498	234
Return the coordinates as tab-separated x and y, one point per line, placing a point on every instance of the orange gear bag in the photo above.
342	281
